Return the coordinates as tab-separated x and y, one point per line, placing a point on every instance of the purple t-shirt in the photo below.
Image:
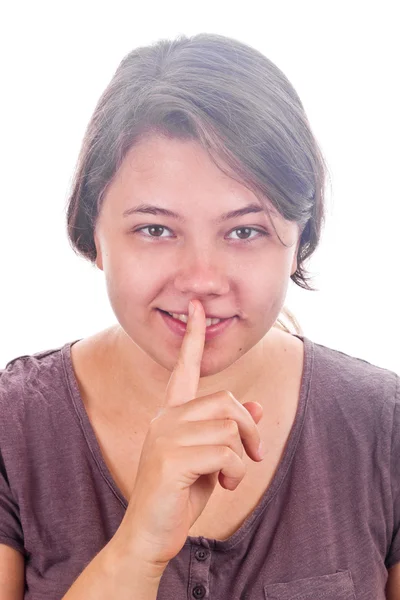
326	527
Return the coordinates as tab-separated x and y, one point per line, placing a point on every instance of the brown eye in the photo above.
246	232
155	231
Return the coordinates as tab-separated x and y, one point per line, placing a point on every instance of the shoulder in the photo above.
28	372
29	385
339	372
350	393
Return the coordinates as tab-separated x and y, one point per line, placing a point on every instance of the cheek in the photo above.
130	283
266	282
263	290
122	282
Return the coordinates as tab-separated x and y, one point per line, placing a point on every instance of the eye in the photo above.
246	231
153	228
155	231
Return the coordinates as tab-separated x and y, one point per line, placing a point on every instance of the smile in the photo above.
177	324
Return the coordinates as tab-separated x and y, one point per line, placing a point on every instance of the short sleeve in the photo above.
10	524
393	556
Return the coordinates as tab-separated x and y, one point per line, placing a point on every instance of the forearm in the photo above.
115	574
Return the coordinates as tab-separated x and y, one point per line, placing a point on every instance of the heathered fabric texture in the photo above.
327	526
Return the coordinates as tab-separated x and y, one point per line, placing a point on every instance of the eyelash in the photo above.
261	231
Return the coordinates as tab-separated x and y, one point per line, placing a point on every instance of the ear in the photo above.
99	258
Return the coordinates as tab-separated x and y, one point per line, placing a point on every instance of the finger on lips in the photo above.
183	386
184	381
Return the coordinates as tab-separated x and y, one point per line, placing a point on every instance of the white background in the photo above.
343	60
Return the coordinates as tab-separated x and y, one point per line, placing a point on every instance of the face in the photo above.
236	266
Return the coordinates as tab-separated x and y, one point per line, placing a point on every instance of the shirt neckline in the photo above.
277	479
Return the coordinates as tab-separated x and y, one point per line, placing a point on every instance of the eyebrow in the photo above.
151	209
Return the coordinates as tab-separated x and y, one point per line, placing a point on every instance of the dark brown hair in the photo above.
229	97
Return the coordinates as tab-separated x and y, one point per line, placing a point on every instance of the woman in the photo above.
205	454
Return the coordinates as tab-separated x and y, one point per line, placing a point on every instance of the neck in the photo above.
134	370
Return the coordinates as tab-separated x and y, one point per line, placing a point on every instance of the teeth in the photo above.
212	322
184	319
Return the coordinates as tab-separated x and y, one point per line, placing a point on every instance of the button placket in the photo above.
200	570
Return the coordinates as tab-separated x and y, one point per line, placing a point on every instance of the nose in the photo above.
202	273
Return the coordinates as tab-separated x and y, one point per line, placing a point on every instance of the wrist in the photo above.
130	556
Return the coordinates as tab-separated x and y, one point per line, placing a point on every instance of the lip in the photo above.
179	328
182	312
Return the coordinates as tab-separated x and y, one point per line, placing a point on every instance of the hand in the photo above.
191	445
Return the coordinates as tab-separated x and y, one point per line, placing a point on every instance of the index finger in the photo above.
184	381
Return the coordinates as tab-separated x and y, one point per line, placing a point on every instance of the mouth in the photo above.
177	324
183	318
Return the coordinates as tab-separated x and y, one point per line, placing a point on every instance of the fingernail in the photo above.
192	308
261	450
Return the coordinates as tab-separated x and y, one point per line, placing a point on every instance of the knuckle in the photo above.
225	395
225	453
230	402
231	427
225	402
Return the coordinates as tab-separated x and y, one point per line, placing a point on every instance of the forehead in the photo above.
161	157
168	166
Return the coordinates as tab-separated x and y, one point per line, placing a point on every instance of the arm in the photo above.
12	574
115	573
393	583
109	575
